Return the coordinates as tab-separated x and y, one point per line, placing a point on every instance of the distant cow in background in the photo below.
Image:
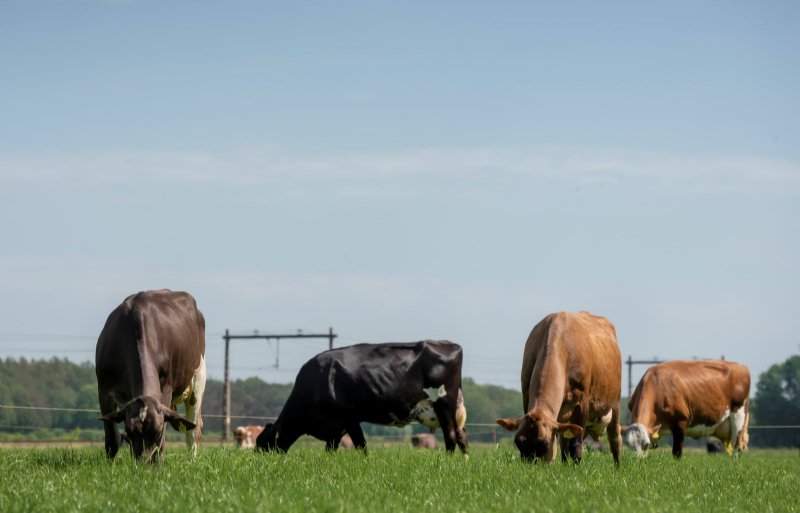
379	383
423	441
150	357
245	436
571	370
696	398
714	446
346	442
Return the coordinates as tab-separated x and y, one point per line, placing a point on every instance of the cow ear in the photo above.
624	429
654	430
573	429
176	420
117	416
509	424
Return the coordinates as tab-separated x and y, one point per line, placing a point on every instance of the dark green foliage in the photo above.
63	384
777	402
56	382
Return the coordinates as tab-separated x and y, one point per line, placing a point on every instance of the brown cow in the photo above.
150	357
691	398
245	436
423	441
571	370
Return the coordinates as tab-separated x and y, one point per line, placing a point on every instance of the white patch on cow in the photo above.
596	427
638	439
435	393
424	413
192	398
702	430
461	411
737	420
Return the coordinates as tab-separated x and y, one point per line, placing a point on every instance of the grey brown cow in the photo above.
150	357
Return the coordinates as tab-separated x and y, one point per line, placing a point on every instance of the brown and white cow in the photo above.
150	357
571	378
691	398
245	436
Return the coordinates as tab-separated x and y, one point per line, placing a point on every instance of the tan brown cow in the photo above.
691	398
571	378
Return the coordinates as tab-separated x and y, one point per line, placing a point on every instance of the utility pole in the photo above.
631	362
226	426
226	407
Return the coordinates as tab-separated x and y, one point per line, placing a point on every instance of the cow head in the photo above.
535	433
145	421
268	439
640	438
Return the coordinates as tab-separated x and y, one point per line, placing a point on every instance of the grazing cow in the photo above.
245	436
379	383
150	357
423	441
691	398
571	370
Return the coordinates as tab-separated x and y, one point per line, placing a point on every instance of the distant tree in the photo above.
777	402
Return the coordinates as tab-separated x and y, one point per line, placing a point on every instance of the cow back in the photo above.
568	355
152	338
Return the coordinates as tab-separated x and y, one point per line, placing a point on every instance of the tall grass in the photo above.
394	480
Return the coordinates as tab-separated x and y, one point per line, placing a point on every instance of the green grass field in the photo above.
307	479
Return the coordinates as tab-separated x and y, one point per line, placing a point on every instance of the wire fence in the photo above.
265	418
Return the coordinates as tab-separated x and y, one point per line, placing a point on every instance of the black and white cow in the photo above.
150	357
386	384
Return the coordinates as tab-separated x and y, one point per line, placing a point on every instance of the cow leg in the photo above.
357	436
195	402
447	421
563	449
742	439
461	440
614	433
678	436
332	444
575	444
112	437
576	448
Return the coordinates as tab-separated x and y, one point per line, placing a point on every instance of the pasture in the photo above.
397	479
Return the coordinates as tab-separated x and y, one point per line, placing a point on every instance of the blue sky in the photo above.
402	171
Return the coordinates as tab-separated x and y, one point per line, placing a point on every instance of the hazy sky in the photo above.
402	171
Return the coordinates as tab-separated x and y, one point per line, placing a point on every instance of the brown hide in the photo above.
571	378
423	441
679	395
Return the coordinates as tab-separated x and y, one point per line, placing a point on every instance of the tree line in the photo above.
60	383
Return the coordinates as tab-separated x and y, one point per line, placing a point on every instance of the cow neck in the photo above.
151	383
547	385
642	407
